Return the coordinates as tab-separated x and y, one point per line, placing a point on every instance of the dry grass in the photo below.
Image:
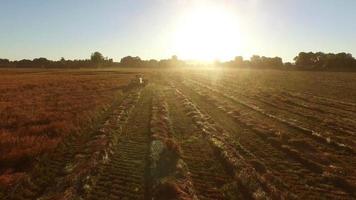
38	109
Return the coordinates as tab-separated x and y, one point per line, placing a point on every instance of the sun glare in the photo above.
208	33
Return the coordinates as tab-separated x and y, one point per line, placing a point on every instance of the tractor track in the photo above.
125	175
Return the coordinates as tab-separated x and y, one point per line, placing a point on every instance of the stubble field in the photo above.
187	134
38	109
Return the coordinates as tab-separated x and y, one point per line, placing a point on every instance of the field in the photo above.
38	109
187	134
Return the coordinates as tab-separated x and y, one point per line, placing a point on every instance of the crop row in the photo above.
310	118
324	117
211	179
257	184
282	142
305	94
170	177
292	124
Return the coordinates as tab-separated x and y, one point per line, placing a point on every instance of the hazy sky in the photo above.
153	28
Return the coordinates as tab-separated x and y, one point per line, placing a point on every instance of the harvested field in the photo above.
187	134
39	108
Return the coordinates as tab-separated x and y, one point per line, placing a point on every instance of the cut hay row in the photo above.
318	185
334	123
329	103
308	117
245	174
268	133
324	118
329	144
170	178
338	121
284	144
306	131
332	103
210	177
288	98
345	127
346	106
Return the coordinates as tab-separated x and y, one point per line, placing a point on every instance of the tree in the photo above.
275	62
265	62
97	58
41	62
239	61
322	61
152	63
305	59
255	61
174	58
4	61
130	61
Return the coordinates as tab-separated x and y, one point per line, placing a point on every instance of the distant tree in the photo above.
275	62
153	61
4	61
340	61
238	59
237	62
305	59
97	58
255	58
174	58
174	61
150	63
255	61
130	61
41	62
288	65
25	61
322	61
62	62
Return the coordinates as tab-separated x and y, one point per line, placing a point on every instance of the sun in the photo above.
208	33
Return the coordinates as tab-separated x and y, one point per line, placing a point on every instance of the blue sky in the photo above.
146	28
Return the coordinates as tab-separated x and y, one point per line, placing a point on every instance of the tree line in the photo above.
303	61
325	61
96	60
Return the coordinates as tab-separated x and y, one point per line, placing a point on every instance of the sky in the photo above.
190	29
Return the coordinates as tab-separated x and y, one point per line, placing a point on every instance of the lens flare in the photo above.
208	33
